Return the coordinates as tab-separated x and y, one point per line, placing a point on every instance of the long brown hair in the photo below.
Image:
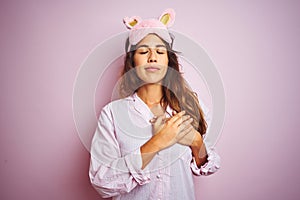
176	92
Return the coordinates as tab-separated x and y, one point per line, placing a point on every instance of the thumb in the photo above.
157	125
174	112
159	120
153	120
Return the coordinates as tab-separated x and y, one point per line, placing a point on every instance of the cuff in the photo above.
134	164
210	167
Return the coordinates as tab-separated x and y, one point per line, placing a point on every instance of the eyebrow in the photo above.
147	46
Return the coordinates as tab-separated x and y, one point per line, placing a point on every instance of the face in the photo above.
151	59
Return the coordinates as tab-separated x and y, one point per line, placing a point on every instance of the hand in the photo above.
166	132
159	119
157	123
192	138
169	131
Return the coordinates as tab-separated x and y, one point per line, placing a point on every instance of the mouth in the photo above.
152	68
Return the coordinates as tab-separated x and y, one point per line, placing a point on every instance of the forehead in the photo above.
151	40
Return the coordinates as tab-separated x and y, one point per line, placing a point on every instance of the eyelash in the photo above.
144	52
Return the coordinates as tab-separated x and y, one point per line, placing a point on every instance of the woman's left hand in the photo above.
193	138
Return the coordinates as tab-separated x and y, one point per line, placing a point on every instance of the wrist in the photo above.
197	141
199	149
153	145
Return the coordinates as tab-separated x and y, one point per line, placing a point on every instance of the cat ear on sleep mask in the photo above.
130	22
167	17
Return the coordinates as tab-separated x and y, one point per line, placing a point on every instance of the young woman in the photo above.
149	144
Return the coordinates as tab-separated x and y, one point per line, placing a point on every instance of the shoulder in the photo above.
115	110
118	104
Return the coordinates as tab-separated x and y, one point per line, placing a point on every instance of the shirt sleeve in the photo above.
213	160
210	167
110	173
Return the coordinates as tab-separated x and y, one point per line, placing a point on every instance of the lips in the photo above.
152	68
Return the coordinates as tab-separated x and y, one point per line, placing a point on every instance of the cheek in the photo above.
165	61
138	60
135	60
165	71
139	72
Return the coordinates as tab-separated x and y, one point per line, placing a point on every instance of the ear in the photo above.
168	17
130	22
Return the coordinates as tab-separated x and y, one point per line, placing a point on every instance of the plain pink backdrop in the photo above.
255	45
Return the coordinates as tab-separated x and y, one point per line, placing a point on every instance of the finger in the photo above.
184	132
157	125
160	120
174	112
165	119
188	132
177	116
153	120
181	120
185	124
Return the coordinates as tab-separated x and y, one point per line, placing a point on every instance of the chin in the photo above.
145	82
152	80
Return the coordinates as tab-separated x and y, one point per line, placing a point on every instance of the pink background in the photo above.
255	45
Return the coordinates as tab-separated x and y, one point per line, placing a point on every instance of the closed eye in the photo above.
143	52
160	52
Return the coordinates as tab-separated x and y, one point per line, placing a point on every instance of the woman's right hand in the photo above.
166	132
169	131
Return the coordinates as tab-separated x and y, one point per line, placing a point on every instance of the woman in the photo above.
149	144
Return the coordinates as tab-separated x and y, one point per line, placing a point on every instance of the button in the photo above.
158	176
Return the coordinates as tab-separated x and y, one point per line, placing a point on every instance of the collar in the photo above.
141	107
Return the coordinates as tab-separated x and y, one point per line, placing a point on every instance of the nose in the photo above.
152	57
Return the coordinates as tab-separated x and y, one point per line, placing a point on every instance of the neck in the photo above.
151	94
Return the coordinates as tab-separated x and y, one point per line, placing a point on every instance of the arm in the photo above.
205	161
166	134
110	173
198	149
211	163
